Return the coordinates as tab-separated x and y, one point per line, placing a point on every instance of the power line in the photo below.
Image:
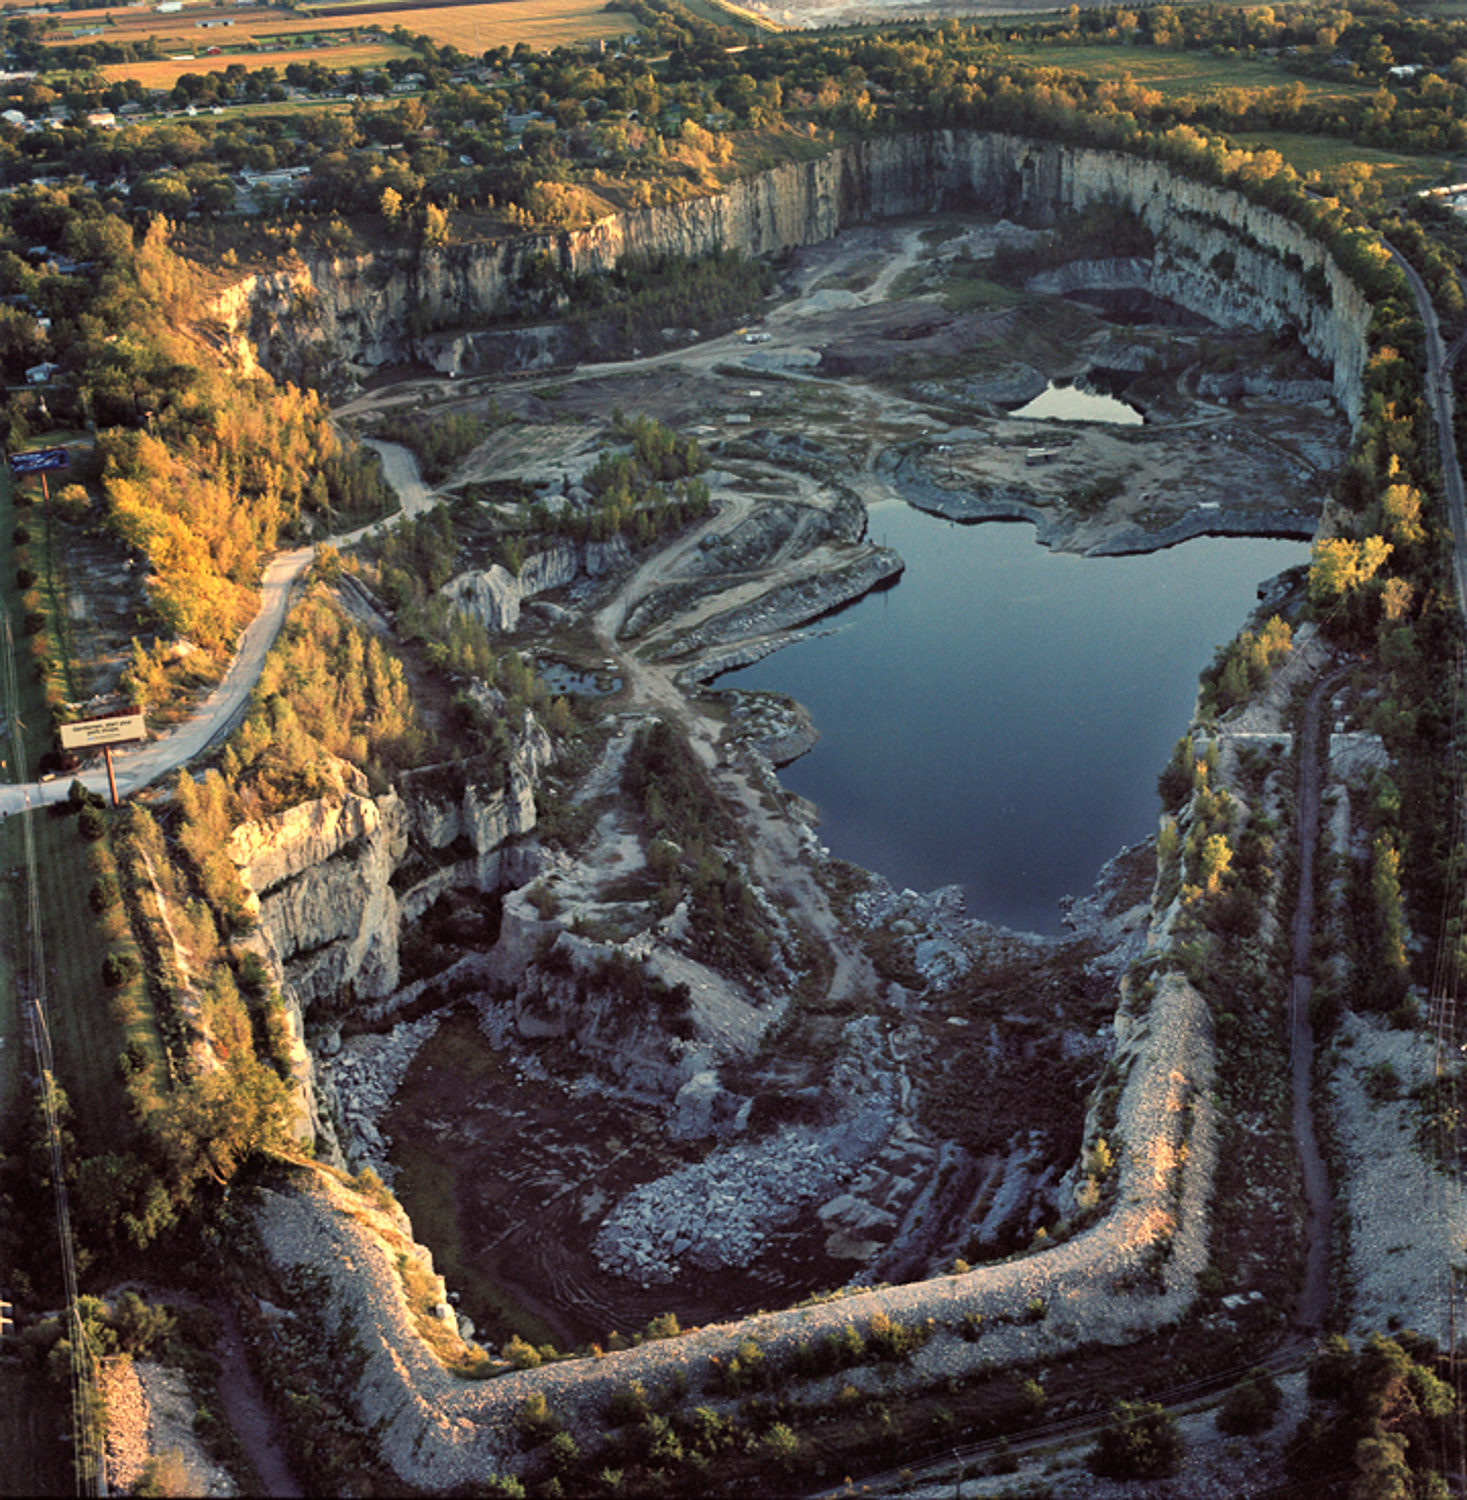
88	1456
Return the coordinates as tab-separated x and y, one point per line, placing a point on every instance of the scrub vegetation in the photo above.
173	1046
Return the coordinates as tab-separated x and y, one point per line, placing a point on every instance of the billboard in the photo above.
42	458
93	734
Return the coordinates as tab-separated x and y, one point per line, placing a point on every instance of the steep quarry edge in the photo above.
363	309
1141	1261
1131	1273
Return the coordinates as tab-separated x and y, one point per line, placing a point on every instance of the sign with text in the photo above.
41	459
93	734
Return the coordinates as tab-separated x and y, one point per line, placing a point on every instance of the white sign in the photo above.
91	734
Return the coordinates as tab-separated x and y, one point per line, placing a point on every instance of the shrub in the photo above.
522	1355
1140	1441
1250	1406
164	1474
628	1405
563	1452
104	893
782	1445
1382	1083
118	968
535	1421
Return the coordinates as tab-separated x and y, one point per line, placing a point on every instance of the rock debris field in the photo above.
1100	1286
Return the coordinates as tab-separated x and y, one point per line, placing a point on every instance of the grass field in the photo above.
85	1038
1398	174
33	1416
1174	73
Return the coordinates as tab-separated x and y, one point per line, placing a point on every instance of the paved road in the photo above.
139	765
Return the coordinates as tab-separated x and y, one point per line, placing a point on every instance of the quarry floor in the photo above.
919	411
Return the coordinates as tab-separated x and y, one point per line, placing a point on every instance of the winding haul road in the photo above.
138	766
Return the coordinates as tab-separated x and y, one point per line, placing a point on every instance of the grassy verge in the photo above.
85	1037
32	1421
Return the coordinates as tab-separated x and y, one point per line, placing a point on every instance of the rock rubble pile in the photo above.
718	1212
359	1080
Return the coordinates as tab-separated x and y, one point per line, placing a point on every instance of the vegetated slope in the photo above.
1362	598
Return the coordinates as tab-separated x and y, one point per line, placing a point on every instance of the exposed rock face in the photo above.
1217	253
1131	1273
494	596
332	880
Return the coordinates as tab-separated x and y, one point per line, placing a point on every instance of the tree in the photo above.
211	1126
1216	856
1339	567
1250	1406
1140	1441
435	225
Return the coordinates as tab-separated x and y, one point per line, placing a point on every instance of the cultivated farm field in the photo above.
276	37
165	72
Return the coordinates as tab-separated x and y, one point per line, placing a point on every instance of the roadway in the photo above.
215	718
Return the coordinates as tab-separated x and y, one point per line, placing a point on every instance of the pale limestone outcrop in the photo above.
494	596
319	878
1217	252
331	880
1132	1273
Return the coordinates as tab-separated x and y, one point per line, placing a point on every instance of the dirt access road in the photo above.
141	765
777	852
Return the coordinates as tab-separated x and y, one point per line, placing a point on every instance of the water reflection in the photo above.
1066	402
999	718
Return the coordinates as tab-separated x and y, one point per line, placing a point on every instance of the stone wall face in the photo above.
330	880
364	309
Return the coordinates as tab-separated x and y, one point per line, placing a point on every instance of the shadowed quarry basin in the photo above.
998	719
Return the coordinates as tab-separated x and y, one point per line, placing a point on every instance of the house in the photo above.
42	373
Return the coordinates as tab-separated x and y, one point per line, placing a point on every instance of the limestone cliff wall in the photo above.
1131	1274
333	881
494	595
367	308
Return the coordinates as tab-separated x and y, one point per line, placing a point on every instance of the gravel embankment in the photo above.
1101	1286
1408	1220
150	1414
